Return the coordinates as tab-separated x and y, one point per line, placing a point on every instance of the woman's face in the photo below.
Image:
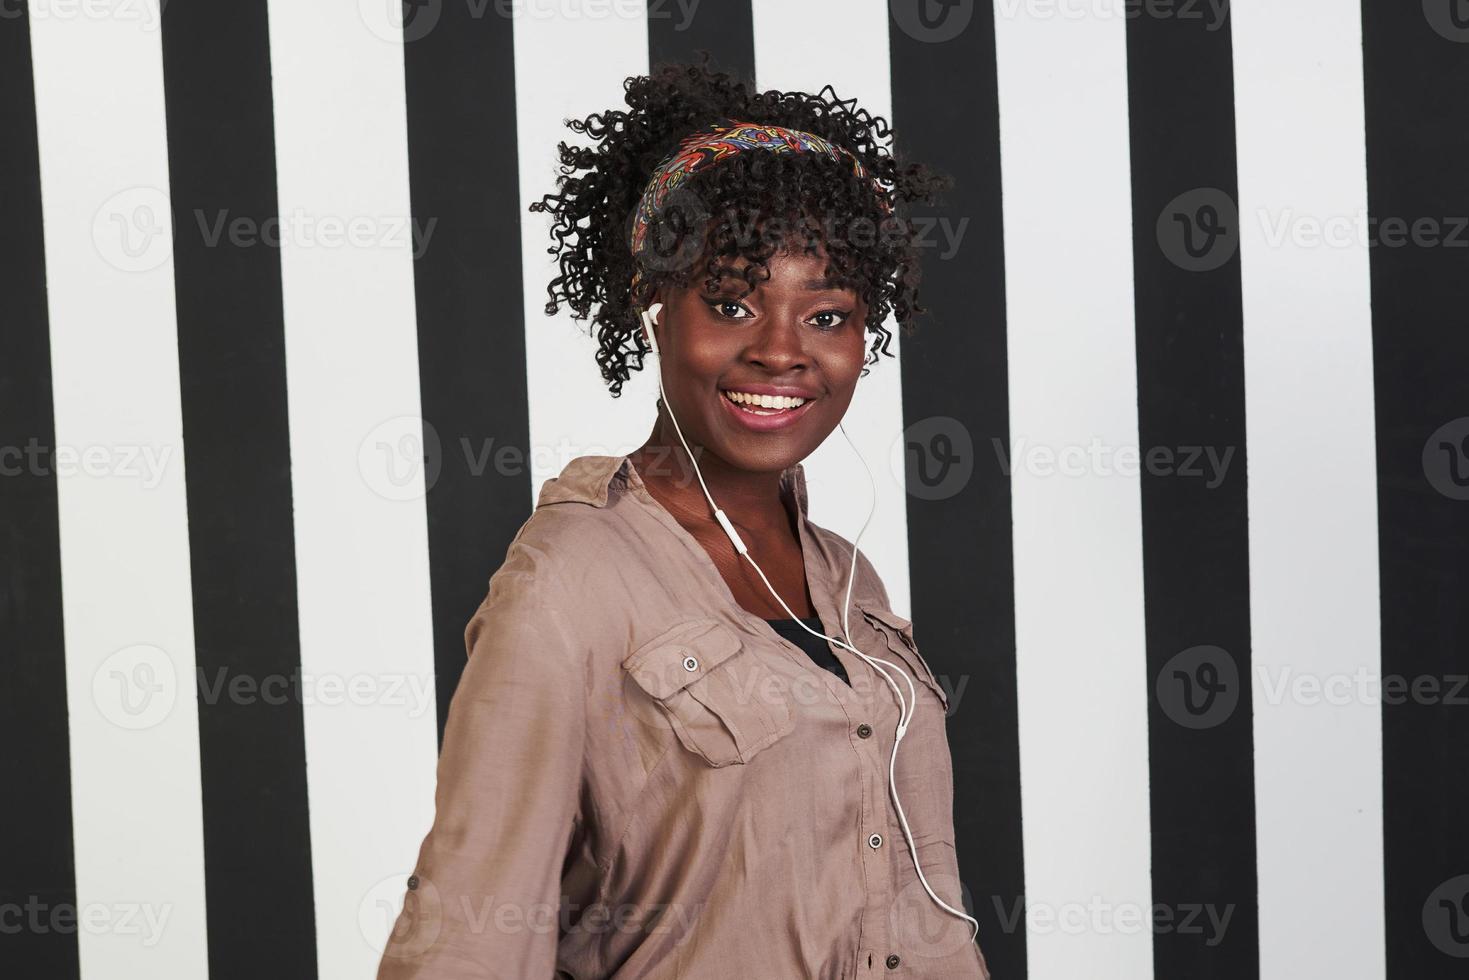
793	333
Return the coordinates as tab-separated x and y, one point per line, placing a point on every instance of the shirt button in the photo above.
690	663
864	730
412	882
893	961
875	841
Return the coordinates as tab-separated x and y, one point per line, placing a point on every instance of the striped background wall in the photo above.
258	461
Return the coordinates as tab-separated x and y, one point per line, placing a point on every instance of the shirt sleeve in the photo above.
484	899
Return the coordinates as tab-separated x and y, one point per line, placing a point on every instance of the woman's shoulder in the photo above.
555	572
590	480
561	549
583	513
577	543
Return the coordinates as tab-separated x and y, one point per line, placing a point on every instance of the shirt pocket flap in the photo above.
899	634
674	659
721	701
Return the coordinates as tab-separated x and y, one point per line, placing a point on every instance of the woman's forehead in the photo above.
800	273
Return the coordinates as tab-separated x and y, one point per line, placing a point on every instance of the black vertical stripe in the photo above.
464	181
678	32
221	156
957	429
37	861
1416	69
1191	430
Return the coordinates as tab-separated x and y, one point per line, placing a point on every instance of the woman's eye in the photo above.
832	324
728	309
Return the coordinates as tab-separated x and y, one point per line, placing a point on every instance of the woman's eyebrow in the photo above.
732	286
821	285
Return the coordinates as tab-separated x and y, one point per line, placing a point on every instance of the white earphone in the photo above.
905	707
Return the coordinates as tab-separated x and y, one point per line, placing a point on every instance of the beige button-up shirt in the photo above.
640	778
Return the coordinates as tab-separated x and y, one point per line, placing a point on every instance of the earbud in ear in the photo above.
649	316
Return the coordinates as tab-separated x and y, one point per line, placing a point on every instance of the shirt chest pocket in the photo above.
719	698
896	633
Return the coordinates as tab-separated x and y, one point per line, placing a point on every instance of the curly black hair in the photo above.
752	205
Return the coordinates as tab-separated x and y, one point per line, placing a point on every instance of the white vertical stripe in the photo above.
124	522
1081	666
571	61
1313	509
858	68
358	480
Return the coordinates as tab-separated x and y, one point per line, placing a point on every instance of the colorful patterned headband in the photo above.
719	142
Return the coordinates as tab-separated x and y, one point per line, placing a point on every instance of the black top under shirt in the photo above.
815	647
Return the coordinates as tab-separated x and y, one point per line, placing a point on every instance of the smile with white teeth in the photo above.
773	404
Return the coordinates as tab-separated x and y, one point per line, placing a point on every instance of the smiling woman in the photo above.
652	730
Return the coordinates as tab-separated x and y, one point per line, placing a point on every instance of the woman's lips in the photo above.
766	423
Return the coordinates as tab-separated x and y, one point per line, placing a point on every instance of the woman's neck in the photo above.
751	499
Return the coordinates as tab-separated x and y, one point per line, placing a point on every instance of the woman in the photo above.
656	764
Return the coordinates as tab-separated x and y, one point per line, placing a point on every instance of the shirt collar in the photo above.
592	479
